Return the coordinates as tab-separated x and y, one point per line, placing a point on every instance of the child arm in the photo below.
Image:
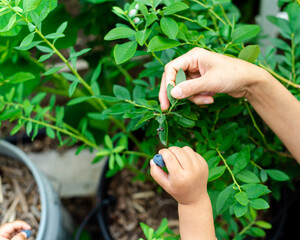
187	183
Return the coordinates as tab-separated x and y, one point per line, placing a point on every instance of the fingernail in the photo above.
176	92
151	162
208	101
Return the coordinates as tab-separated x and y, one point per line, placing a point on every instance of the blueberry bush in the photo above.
120	96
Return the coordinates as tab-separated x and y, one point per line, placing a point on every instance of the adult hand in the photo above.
12	231
208	73
187	178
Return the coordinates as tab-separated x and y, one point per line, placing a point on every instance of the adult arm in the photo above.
209	73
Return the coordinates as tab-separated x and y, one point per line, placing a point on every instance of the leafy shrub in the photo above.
242	153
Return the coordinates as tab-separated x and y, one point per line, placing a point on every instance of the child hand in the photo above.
12	231
187	178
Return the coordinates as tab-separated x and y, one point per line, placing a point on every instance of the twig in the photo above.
11	210
19	192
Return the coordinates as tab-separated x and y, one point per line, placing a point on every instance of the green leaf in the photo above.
46	57
50	132
150	18
215	173
245	32
119	33
52	70
108	98
185	122
163	133
224	199
27	40
38	98
162	228
119	108
118	149
256	232
242	198
171	99
263	175
54	36
247	176
62	27
180	77
10	24
243	158
80	53
255	190
124	52
29	128
121	92
103	152
78	100
16	129
259	204
73	87
111	161
169	27
145	118
263	224
96	73
250	53
120	161
175	7
277	175
280	44
239	210
108	142
20	77
158	44
142	36
29	5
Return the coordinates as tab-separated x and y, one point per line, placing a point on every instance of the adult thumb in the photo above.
20	236
191	87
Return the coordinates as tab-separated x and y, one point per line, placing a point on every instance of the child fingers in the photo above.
171	161
20	236
182	157
159	175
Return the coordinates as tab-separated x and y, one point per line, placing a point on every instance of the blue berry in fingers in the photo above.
27	232
159	161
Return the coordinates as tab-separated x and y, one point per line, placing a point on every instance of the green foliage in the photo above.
242	154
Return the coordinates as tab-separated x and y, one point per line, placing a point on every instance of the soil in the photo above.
139	202
19	196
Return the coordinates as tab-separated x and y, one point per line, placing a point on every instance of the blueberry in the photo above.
27	232
159	161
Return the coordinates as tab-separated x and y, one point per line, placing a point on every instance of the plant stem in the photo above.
193	21
293	57
255	125
245	229
279	77
210	10
225	15
229	170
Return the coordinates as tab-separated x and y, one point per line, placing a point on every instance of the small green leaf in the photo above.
162	228
175	7
180	77
224	199
50	133
239	210
119	33
171	99
52	70
108	142
169	27
215	173
250	53
16	129
29	128
242	198
10	24
120	161
46	57
125	51
78	100
29	5
277	175
259	204
247	176
245	32
73	87
27	40
121	92
255	190
21	77
96	73
142	36
263	224
158	44
256	232
54	36
243	158
62	27
263	175
103	152
111	161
